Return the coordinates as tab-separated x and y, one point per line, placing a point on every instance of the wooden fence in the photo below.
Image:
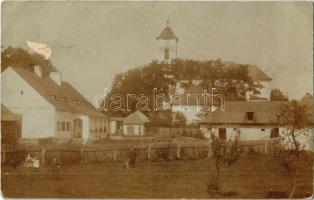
148	152
83	155
169	131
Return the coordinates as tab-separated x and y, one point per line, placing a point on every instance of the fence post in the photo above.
148	152
43	156
82	155
115	154
266	147
179	151
3	156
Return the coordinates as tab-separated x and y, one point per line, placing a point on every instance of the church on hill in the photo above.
168	50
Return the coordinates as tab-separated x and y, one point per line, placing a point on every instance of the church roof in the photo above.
167	34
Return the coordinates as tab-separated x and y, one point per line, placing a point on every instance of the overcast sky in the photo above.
93	41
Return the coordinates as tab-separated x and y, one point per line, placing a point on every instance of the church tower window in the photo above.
166	54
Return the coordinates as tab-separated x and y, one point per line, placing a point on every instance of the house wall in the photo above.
136	129
98	128
66	117
246	133
38	115
113	126
265	91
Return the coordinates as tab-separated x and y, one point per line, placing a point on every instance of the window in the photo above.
96	125
249	115
262	129
222	133
22	92
63	126
166	54
274	133
59	126
68	128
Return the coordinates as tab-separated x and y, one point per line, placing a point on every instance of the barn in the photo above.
10	126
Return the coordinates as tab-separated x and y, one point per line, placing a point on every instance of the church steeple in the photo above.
167	44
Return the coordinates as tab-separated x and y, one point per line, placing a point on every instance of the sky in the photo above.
93	41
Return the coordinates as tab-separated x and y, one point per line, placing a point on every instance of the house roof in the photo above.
254	72
63	98
167	34
265	112
257	74
136	118
121	119
257	98
8	115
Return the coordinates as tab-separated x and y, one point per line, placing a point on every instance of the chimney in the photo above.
56	77
38	71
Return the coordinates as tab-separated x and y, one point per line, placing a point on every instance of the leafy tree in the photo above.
161	118
232	80
225	153
277	95
22	59
297	121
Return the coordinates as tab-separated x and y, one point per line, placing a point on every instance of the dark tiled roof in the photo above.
265	112
8	115
167	34
64	98
136	118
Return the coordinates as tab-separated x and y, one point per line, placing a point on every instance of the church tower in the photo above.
167	45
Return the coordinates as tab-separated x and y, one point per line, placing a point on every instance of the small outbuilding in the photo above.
10	126
134	124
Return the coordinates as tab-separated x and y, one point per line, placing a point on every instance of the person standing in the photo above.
132	157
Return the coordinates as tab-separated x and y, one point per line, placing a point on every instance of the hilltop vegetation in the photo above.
230	80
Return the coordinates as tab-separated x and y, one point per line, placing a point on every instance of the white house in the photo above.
254	120
50	107
134	124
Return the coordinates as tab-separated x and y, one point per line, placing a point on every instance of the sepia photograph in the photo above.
157	100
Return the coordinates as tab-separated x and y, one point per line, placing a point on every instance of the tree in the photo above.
22	59
297	121
224	153
231	81
161	118
277	95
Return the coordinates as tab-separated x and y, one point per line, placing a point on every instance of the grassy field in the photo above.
250	177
